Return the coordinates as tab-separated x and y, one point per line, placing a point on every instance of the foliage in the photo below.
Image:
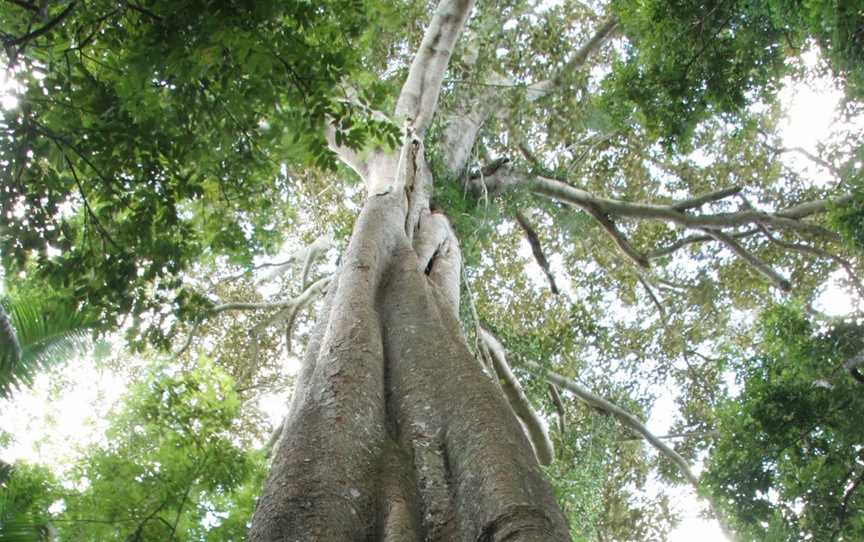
160	149
37	331
173	465
848	221
787	461
150	136
690	60
26	492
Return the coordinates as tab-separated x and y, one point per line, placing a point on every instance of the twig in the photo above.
681	243
654	298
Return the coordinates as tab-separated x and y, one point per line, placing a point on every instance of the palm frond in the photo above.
10	352
20	521
34	335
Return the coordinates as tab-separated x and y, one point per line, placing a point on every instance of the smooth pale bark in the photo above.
395	432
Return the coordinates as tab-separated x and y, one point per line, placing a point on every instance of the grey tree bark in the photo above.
395	433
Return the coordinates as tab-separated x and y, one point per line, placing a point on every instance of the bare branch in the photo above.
813	207
537	249
654	299
291	306
813	251
785	219
419	95
759	266
619	238
630	421
534	426
315	249
577	61
348	156
699	201
809	155
681	243
288	307
555	395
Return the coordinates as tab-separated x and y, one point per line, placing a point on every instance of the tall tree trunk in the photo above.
395	433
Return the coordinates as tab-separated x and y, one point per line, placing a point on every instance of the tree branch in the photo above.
419	95
699	201
785	219
759	266
619	238
628	420
809	155
25	5
681	243
534	427
348	156
287	307
537	249
292	305
21	40
555	395
654	299
580	57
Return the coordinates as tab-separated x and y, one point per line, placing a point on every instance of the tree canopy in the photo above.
617	174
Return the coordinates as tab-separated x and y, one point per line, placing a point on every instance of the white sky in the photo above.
52	430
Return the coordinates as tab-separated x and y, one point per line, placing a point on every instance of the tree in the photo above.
172	466
168	168
794	433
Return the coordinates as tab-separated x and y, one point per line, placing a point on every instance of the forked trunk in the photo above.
395	433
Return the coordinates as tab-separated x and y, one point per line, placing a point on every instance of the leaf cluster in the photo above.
788	461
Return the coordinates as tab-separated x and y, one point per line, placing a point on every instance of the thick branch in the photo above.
348	156
534	426
616	235
785	219
472	110
419	95
699	201
813	207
